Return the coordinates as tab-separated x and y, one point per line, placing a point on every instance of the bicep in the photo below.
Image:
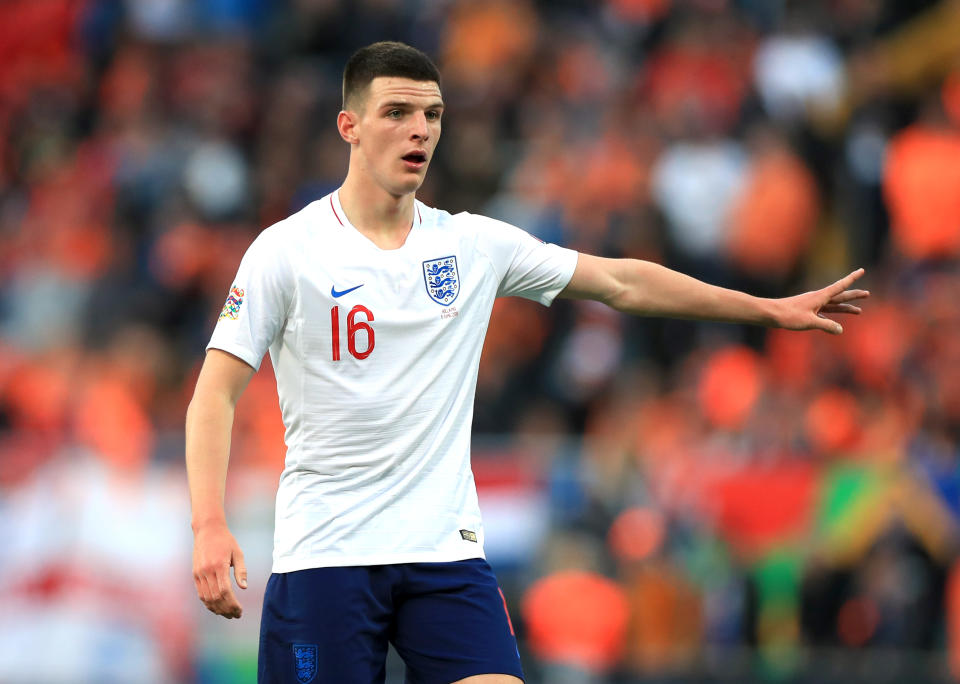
594	278
223	374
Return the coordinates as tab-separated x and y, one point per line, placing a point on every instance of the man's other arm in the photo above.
644	288
222	380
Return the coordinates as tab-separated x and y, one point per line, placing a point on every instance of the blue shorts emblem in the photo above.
305	660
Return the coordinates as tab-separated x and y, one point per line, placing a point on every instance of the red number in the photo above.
353	326
335	328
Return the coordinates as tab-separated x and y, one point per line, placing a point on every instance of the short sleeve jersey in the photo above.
376	355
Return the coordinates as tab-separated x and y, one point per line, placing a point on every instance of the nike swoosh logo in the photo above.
334	293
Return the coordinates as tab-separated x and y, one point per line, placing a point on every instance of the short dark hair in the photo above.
386	58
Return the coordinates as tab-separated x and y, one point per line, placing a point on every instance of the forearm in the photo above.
648	289
209	423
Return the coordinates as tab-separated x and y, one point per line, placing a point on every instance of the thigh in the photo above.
326	625
452	623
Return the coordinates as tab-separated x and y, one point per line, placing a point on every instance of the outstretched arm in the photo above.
644	288
222	380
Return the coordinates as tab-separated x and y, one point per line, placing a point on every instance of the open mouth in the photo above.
415	158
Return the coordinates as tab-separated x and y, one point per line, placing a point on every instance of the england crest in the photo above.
305	662
442	279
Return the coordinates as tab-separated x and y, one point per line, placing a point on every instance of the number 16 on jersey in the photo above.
353	327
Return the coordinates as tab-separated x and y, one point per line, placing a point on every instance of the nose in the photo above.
420	129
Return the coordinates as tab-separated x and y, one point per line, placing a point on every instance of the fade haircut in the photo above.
386	58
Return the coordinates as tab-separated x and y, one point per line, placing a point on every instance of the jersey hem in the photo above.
241	353
295	564
548	297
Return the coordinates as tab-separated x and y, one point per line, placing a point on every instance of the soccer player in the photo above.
374	307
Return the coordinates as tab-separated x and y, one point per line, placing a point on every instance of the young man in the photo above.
373	307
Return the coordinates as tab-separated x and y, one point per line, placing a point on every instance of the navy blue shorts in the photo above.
447	621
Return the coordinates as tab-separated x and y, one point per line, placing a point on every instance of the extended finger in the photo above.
828	325
845	283
849	296
841	308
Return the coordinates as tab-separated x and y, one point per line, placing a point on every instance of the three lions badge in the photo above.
305	662
442	279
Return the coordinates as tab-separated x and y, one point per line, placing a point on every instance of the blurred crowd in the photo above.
666	500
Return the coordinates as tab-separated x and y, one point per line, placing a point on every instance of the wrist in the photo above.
205	522
770	313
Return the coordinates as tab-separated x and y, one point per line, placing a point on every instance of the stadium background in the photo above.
665	501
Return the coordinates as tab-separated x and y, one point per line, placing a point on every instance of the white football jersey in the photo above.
376	355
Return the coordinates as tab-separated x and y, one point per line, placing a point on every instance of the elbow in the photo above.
617	294
627	301
625	290
619	301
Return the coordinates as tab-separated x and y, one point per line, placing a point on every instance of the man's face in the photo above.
397	131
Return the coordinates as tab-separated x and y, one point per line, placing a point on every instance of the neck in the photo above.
382	217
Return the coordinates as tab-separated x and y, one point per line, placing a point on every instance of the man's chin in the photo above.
410	183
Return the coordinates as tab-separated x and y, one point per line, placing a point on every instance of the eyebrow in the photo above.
403	103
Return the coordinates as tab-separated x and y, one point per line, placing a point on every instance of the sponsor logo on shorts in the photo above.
232	306
469	535
305	662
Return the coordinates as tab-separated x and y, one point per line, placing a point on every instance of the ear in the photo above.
347	124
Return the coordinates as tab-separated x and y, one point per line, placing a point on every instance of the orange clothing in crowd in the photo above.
922	189
690	71
484	38
774	217
730	385
666	622
577	618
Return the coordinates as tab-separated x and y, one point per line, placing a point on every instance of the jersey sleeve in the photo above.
527	267
258	302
